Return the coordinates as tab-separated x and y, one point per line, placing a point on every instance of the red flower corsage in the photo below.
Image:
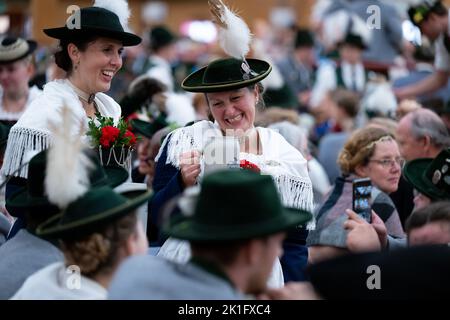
247	165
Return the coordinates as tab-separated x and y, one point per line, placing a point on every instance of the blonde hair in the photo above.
360	147
98	251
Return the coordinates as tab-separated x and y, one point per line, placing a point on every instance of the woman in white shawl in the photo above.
90	53
233	93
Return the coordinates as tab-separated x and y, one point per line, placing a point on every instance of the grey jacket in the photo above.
5	225
154	278
22	256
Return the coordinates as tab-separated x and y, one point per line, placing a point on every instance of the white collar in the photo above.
89	98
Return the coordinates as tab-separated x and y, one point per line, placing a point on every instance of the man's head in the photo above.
163	43
421	134
351	48
429	16
304	46
238	225
429	225
248	263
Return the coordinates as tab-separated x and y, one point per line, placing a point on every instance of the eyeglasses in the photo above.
389	163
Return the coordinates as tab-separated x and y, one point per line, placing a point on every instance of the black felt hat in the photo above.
95	21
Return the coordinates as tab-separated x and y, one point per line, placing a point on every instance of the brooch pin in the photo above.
436	177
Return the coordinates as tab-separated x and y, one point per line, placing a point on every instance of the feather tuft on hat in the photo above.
234	34
67	171
119	7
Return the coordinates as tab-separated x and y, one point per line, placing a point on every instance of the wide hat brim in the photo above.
32	45
63	33
188	229
196	82
23	199
55	227
414	173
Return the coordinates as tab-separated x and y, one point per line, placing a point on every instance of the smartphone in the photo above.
362	194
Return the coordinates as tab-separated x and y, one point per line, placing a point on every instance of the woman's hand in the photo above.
190	167
362	236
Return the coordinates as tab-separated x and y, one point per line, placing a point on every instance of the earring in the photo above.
76	65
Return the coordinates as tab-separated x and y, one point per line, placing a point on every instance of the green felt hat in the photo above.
304	38
96	208
226	74
430	177
148	129
236	205
282	97
417	14
14	49
33	195
353	40
95	21
160	37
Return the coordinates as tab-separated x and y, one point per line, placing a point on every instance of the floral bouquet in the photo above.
114	143
247	165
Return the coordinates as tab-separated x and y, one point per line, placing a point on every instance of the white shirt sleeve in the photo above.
442	58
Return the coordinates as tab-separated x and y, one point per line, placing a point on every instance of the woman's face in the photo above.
143	149
384	167
234	110
97	65
14	76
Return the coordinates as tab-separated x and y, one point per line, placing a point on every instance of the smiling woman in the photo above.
91	56
369	153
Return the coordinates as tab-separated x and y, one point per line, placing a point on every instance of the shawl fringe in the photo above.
21	141
180	141
296	192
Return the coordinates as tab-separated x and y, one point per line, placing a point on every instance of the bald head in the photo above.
422	134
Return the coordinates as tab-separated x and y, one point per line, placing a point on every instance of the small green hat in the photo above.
94	209
353	40
304	38
430	176
160	36
226	74
236	205
95	21
33	195
282	97
148	129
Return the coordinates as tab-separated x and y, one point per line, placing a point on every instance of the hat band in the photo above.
14	50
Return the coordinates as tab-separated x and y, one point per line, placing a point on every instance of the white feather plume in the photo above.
119	7
234	34
67	171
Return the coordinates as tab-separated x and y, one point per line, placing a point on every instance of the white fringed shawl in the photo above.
31	135
282	161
